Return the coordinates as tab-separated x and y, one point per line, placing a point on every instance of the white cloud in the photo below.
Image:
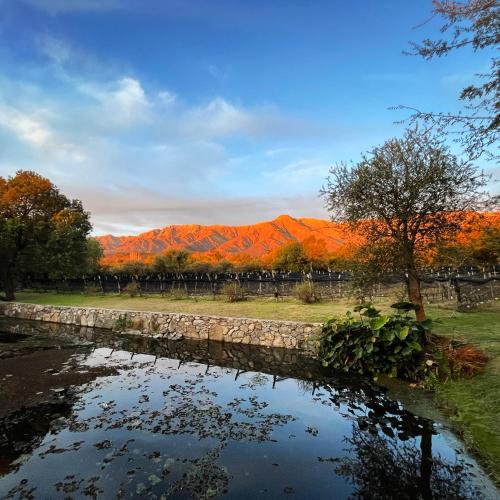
26	127
141	157
167	97
121	101
300	172
128	210
220	118
54	48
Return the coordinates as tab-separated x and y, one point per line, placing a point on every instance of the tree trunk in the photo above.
413	285
9	288
426	464
458	291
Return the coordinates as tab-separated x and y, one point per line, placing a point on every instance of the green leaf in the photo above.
378	323
388	336
404	332
426	324
416	346
371	312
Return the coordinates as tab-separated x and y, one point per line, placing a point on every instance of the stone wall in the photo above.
263	332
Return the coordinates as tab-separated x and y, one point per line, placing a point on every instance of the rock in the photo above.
174	336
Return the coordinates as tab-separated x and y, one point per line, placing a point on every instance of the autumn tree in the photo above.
405	194
172	261
478	244
134	268
291	257
42	232
245	263
473	25
316	252
487	250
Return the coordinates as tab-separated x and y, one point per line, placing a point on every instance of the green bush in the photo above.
376	344
234	292
132	289
305	292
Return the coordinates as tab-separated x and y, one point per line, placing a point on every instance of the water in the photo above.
87	414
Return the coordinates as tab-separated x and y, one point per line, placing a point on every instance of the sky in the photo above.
167	112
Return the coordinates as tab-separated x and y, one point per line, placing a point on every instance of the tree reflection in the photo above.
380	467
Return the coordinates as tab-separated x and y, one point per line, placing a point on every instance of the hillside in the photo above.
256	239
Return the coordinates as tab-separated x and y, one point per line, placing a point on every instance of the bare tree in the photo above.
474	24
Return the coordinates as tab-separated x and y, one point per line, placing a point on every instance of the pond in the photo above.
85	413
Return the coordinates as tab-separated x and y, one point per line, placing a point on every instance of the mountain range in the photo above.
254	239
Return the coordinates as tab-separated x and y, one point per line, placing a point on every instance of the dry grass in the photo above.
466	361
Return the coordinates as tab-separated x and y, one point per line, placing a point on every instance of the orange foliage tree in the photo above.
41	231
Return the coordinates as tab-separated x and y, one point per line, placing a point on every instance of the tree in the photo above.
41	231
94	255
134	268
474	24
291	257
172	261
316	252
487	250
478	243
405	195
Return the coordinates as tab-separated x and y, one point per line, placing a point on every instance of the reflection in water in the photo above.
107	416
379	467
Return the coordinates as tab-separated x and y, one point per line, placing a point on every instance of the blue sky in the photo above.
166	112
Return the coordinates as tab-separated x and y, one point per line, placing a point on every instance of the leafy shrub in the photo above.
465	361
234	292
305	292
132	289
375	344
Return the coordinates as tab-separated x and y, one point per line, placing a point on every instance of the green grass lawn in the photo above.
473	405
287	309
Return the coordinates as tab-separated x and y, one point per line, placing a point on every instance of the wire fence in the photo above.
468	286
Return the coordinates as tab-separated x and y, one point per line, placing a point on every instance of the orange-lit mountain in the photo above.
256	239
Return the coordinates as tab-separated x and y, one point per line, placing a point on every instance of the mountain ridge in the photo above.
253	239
